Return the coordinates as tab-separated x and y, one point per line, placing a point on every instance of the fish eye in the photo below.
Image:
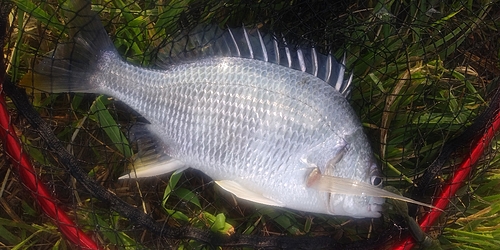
376	181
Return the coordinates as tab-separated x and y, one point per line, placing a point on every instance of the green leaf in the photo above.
8	237
219	223
116	236
285	220
177	215
187	195
101	115
27	209
35	11
174	179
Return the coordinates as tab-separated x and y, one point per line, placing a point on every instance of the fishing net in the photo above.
424	75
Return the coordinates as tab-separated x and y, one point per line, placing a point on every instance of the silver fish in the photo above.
268	123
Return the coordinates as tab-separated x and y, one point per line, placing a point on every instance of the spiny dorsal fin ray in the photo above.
210	41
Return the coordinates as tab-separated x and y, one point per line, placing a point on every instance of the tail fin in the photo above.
70	66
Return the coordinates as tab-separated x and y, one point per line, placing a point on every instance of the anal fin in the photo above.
152	157
243	193
158	168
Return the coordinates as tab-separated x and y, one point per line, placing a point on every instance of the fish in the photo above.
268	122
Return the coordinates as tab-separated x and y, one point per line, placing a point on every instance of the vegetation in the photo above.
418	83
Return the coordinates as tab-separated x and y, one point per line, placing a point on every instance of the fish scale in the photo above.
217	114
247	121
268	122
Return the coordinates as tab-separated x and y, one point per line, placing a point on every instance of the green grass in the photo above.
412	91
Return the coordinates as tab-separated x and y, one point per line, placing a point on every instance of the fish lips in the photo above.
375	205
354	206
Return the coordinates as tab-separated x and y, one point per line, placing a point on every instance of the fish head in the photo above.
349	197
344	172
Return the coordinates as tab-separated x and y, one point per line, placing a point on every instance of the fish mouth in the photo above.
355	206
375	204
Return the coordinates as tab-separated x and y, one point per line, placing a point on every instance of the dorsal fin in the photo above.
210	40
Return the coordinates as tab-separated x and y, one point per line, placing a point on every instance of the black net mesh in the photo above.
423	72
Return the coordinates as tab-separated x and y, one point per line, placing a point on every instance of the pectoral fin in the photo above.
322	158
337	185
243	193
